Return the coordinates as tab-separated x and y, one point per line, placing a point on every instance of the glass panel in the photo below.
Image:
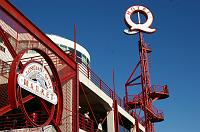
63	47
78	54
84	59
2	48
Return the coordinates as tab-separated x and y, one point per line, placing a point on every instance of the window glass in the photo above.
88	62
1	41
32	51
72	50
78	54
2	48
63	47
84	59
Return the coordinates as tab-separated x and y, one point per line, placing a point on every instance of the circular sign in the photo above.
133	27
35	79
32	83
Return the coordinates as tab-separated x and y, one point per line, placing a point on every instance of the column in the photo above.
110	122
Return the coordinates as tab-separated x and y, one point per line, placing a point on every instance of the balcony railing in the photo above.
4	67
159	88
86	123
99	83
157	113
135	98
17	121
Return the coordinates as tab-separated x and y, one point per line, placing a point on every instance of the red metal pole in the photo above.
7	43
115	103
137	125
17	42
75	103
144	79
150	114
6	6
75	42
116	116
113	78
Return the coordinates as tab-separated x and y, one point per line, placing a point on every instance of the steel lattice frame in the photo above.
148	95
16	15
15	94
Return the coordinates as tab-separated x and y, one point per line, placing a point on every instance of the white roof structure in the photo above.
60	40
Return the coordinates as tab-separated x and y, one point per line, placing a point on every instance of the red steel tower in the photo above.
142	103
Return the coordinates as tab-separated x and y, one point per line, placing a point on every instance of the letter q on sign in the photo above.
133	27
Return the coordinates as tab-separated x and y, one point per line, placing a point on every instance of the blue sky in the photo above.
176	43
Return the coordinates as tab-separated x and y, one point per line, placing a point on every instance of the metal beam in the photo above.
36	32
8	108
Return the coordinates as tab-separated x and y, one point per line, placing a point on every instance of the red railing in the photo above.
142	121
96	80
136	116
157	113
82	68
39	58
159	88
17	121
120	102
10	121
3	95
99	83
4	67
135	98
86	123
153	113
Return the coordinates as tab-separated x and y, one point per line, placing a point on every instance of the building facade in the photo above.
43	87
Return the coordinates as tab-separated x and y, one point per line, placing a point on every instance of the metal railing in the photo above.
4	67
99	83
18	120
135	98
86	123
159	88
120	102
157	113
3	95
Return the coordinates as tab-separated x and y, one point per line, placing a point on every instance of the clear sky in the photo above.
100	24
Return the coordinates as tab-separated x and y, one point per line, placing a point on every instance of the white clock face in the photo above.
141	26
